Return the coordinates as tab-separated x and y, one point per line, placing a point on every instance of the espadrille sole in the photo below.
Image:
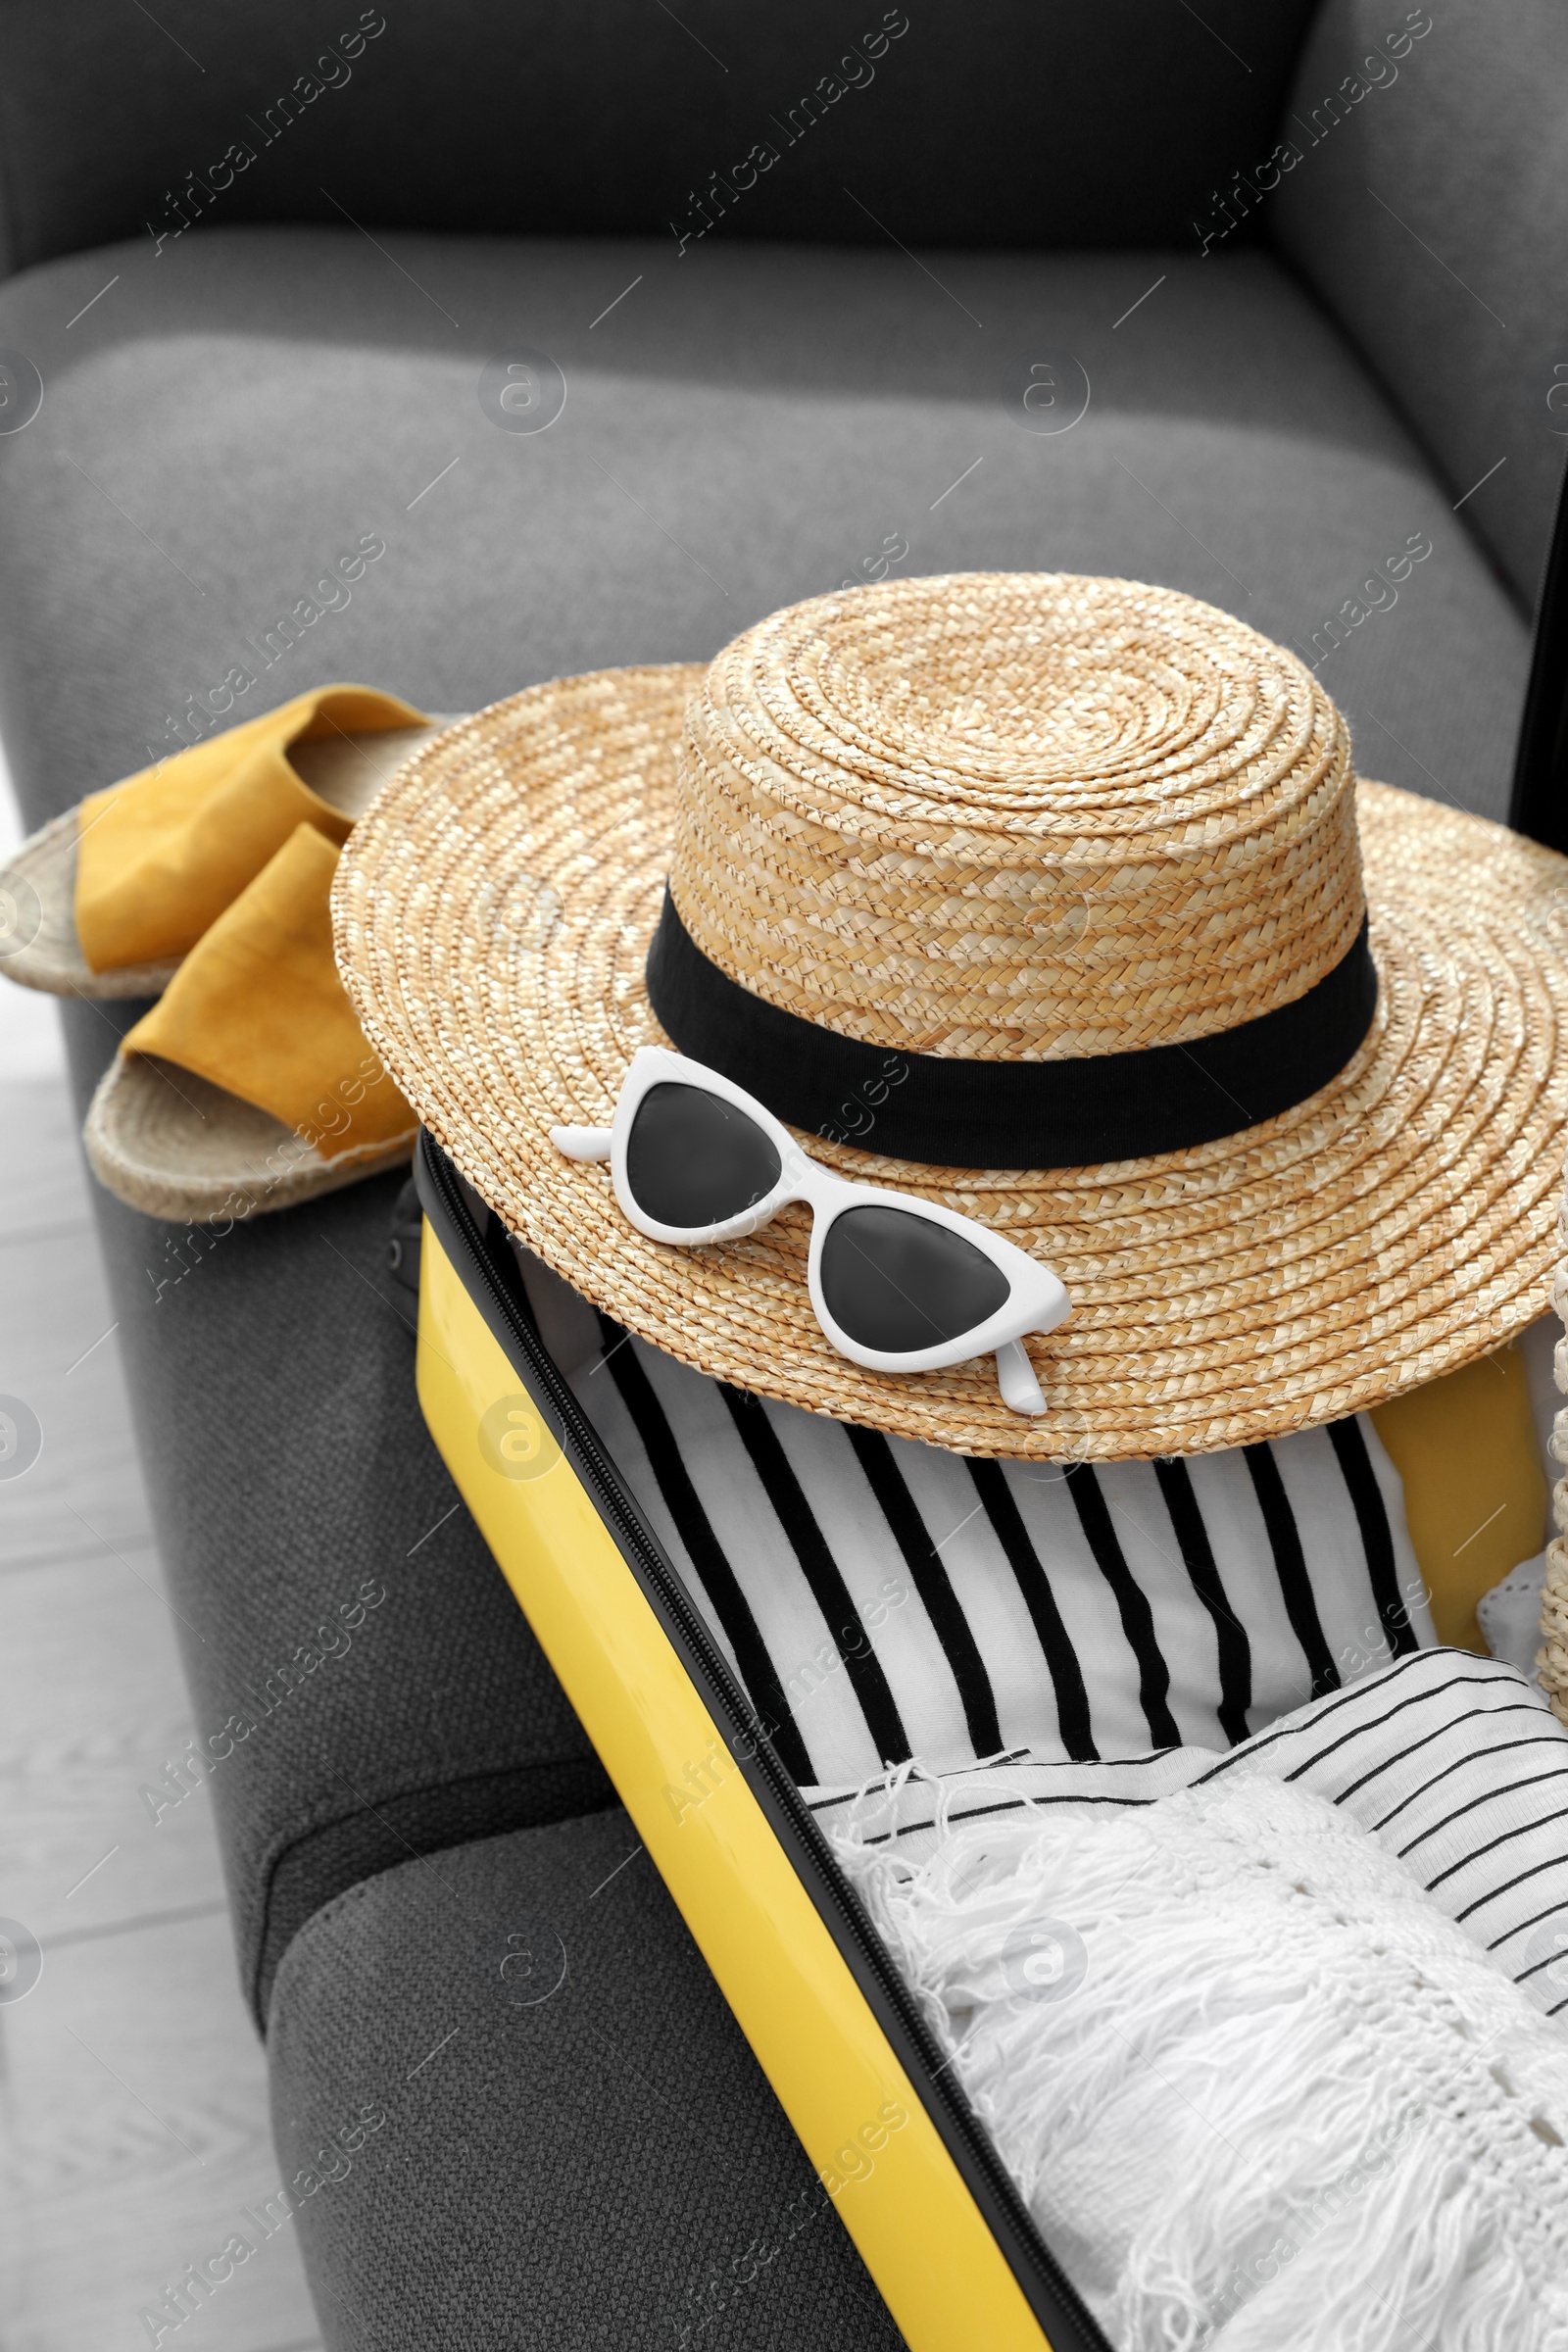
38	893
175	1146
39	943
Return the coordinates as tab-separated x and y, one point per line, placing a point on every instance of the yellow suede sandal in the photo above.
107	900
250	1085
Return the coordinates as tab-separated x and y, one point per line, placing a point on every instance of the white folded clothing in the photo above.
1257	2091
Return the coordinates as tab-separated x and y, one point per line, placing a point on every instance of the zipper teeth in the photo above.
585	1439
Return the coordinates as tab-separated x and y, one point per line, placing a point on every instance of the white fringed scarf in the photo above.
1257	2091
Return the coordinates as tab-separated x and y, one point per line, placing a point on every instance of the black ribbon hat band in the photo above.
952	1113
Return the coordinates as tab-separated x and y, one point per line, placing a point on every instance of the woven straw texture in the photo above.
1010	819
1155	836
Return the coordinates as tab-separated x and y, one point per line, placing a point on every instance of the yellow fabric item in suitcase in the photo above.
1475	1493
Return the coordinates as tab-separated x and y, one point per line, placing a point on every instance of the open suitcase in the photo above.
911	2169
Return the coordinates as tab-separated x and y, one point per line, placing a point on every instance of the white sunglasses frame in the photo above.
1037	1299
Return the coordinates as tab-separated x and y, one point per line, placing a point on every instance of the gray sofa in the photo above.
1208	299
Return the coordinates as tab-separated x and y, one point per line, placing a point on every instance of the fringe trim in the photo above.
1284	2108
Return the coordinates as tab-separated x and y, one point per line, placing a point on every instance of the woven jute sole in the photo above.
175	1146
38	943
493	913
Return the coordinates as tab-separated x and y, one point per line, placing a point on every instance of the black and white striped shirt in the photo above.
881	1600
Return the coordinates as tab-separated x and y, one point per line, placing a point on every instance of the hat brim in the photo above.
493	913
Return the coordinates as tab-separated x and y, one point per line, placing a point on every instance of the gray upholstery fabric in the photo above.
986	121
290	1475
225	423
604	2166
1432	214
743	428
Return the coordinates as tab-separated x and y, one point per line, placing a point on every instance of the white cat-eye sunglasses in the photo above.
898	1283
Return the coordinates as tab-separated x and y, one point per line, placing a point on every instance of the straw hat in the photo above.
1052	893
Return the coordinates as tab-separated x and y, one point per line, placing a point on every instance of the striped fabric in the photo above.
1454	1763
882	1601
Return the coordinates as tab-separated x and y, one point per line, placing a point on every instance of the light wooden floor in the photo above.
132	2089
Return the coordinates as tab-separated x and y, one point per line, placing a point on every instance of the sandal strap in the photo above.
258	1009
162	854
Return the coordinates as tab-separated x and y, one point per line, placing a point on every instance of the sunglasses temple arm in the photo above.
1016	1376
582	1143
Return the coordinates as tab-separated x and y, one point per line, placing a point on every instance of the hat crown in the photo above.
1015	816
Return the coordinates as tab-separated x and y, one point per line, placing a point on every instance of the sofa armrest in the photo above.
1427	206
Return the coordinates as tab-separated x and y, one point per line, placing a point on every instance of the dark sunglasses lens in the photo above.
694	1160
896	1282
